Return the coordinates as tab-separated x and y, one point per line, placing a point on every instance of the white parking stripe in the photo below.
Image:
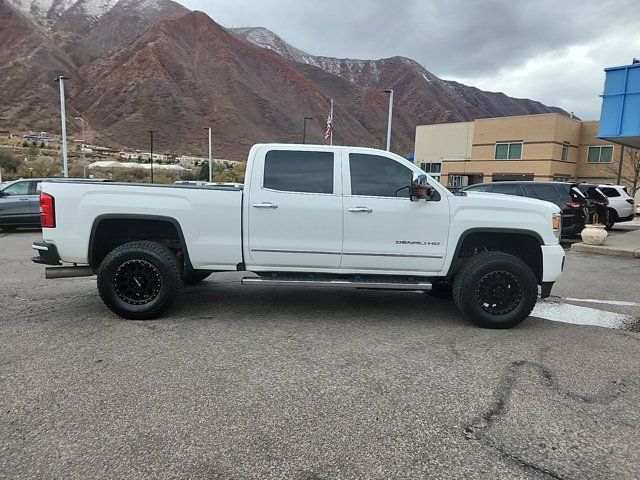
566	313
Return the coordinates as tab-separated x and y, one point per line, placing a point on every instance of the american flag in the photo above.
329	131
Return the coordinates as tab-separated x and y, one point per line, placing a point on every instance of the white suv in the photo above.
620	204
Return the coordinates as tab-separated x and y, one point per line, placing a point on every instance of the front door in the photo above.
294	209
383	230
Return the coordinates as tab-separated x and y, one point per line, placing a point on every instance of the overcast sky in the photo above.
553	51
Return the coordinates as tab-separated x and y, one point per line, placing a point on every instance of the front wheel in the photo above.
139	280
495	290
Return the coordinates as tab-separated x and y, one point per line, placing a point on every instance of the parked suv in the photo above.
620	204
572	202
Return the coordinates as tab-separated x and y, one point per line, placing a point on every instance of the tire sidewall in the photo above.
168	288
468	301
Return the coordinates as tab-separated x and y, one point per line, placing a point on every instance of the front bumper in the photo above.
47	254
552	262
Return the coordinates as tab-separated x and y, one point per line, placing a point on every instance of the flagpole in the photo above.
331	133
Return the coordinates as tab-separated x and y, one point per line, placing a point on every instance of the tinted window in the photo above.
610	192
545	192
292	171
506	189
479	188
378	176
20	188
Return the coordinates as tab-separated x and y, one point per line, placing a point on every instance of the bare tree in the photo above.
631	168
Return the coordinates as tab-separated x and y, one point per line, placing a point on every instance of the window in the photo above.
600	154
565	152
610	192
20	188
478	188
432	168
508	151
561	178
507	189
455	181
378	176
545	192
293	171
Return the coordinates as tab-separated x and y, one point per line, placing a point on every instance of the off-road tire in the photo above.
191	277
165	265
477	272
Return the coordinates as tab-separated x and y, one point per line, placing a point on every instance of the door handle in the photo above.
264	205
360	210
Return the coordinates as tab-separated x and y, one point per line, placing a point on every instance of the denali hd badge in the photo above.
415	242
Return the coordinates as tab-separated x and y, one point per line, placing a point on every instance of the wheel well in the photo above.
109	233
525	247
614	212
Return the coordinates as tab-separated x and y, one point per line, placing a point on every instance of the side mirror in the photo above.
420	188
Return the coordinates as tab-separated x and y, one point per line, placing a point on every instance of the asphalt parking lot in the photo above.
255	382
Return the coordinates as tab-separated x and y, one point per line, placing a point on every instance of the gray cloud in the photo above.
477	42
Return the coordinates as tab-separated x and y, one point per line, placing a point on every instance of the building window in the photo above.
565	152
602	154
456	181
431	167
508	151
561	178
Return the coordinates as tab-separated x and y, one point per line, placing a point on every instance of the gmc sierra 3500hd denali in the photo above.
307	215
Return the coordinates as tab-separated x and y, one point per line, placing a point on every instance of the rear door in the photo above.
383	230
295	209
14	204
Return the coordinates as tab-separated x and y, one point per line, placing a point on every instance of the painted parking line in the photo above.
567	313
604	302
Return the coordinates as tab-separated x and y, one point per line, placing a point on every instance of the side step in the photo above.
341	283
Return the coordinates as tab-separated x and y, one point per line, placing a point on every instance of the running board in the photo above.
278	282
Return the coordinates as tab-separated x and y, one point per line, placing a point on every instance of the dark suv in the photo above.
572	202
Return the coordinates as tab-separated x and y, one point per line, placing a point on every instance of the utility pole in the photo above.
390	92
210	157
620	165
84	159
304	129
63	114
151	134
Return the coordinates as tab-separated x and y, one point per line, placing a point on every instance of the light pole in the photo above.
390	92
84	159
151	155
304	129
63	114
210	156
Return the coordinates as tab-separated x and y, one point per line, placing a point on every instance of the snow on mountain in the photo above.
43	10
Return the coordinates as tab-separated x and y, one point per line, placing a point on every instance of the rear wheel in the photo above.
612	218
139	280
495	290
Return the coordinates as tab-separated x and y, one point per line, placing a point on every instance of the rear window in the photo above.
610	192
299	171
545	192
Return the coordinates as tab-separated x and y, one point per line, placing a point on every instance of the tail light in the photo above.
575	205
629	200
47	211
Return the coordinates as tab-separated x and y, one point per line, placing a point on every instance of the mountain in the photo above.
152	64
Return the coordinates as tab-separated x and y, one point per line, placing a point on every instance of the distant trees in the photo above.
8	162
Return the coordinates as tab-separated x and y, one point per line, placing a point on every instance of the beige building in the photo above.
529	147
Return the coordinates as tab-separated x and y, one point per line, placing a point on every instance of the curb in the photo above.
604	250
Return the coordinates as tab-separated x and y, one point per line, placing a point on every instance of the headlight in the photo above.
556	222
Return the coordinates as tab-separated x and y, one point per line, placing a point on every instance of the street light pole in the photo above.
84	159
63	114
390	92
151	134
210	157
304	129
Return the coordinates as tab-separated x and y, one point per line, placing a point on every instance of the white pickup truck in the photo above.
306	216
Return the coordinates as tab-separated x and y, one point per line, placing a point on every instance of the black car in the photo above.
566	195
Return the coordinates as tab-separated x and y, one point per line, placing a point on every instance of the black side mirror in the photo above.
420	188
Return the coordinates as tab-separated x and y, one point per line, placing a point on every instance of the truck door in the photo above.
294	209
383	230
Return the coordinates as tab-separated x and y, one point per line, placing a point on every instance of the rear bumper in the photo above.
47	254
552	262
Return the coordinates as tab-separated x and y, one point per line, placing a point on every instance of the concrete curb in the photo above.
606	250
